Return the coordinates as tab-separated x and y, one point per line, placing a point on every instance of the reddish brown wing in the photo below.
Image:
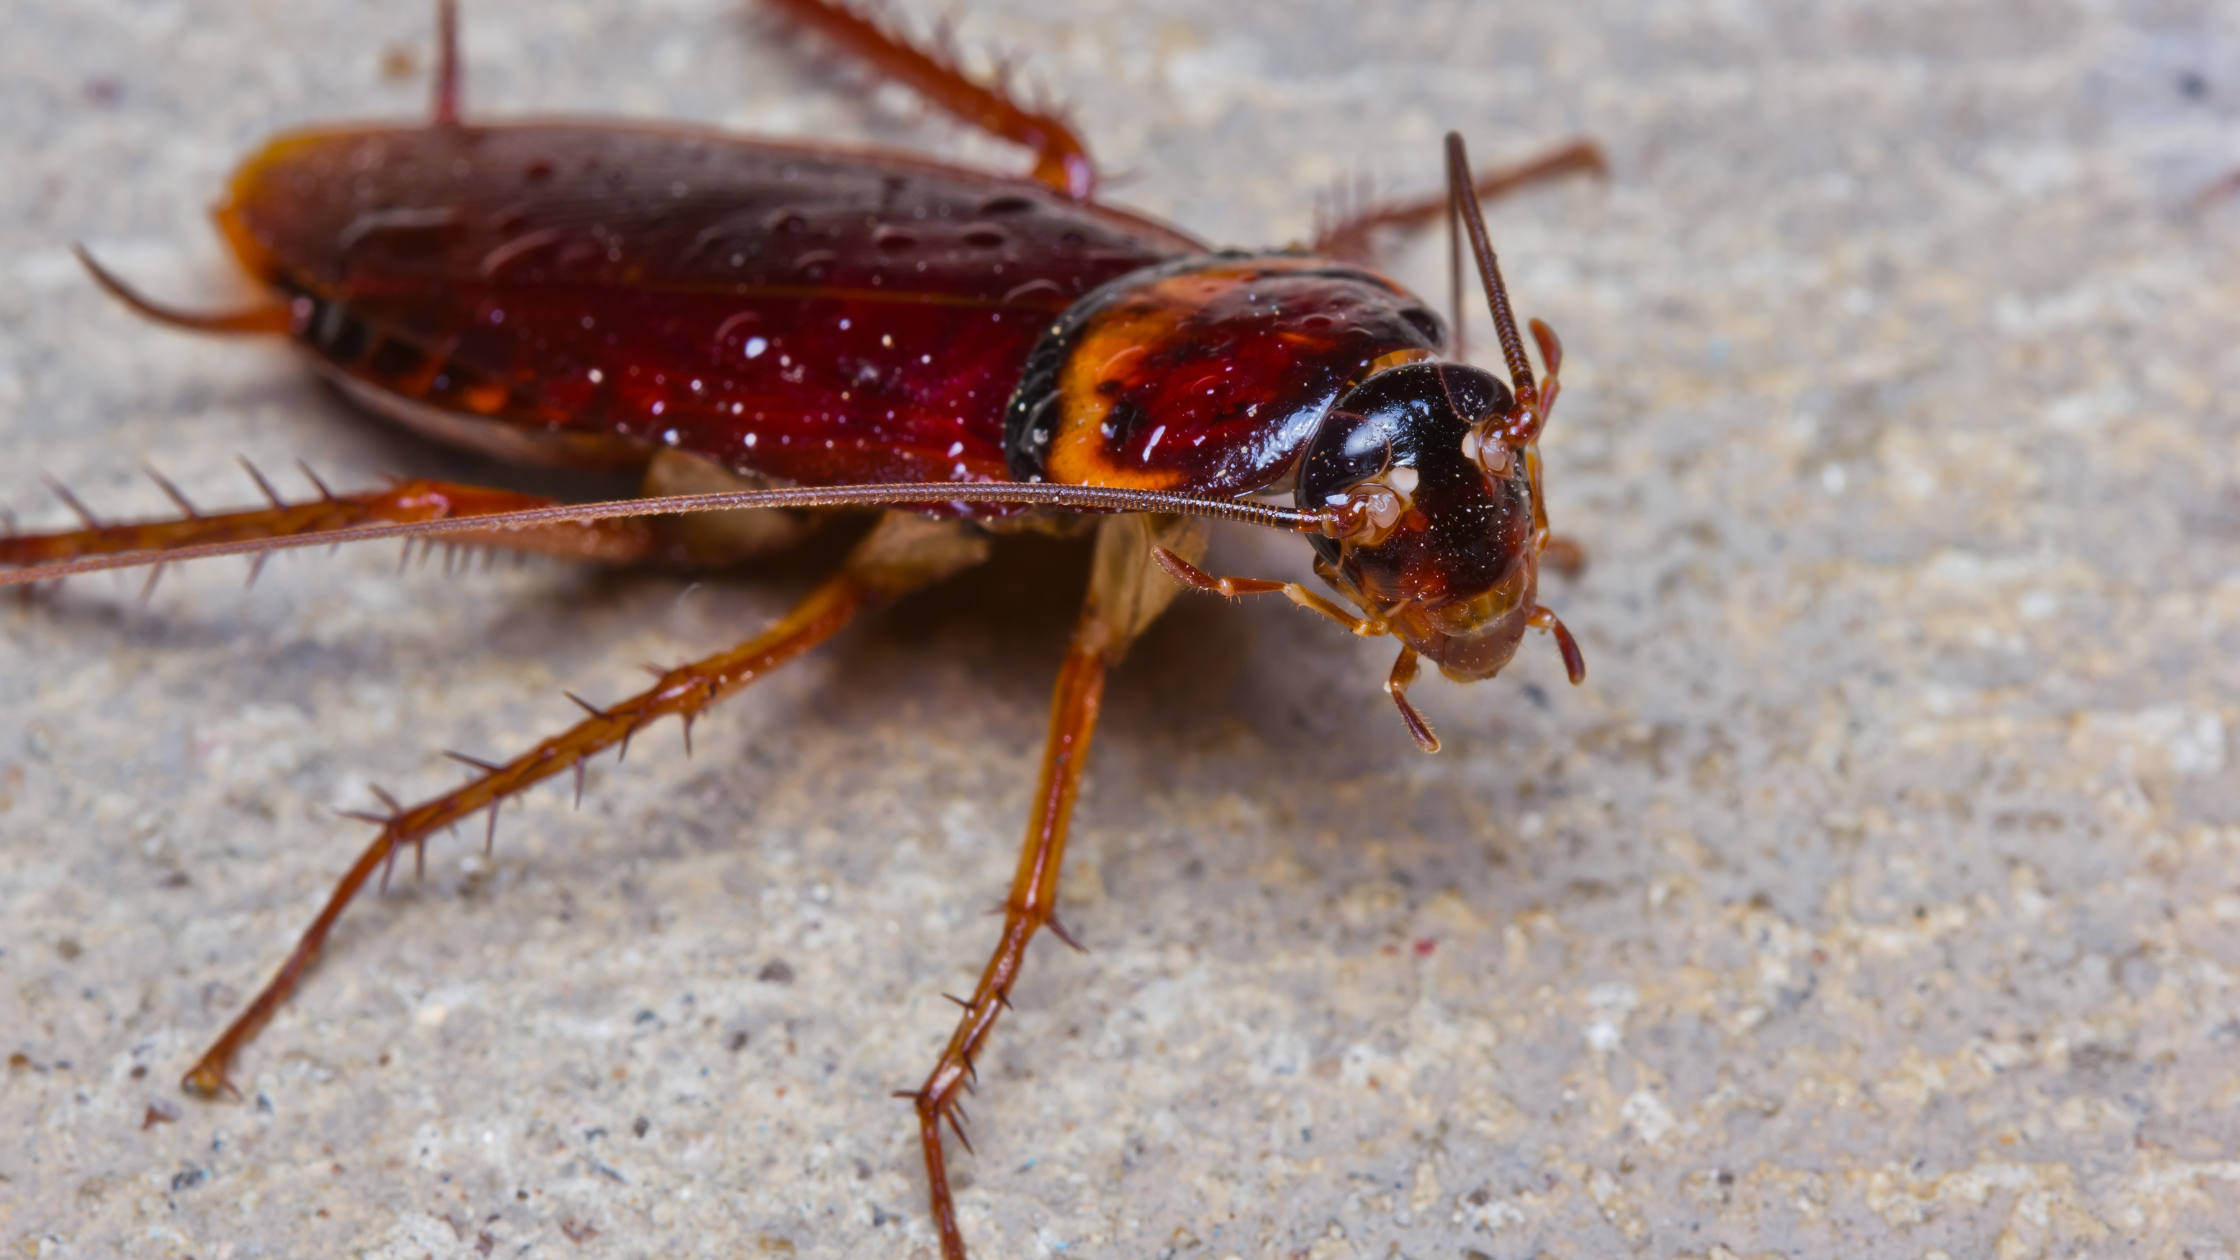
606	290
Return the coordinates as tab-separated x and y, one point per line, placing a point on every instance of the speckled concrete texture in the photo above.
1879	894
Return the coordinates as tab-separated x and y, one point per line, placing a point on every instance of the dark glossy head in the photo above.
1444	552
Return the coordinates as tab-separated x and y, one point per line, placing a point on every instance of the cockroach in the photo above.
779	330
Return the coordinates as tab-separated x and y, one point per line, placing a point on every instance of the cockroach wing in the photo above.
591	293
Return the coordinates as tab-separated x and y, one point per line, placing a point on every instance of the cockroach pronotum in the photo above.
775	329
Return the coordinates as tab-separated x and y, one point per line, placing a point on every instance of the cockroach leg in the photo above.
1574	661
613	541
1352	236
1125	595
447	79
1061	159
1403	673
1034	891
901	554
1197	579
272	317
1563	556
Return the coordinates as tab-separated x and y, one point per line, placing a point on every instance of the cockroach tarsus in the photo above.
769	330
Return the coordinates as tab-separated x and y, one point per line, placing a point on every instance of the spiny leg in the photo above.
1349	234
1061	160
1126	593
618	541
901	554
693	540
1031	907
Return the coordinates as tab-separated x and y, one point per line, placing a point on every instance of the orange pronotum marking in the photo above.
1113	350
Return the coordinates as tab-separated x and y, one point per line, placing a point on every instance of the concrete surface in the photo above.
1879	895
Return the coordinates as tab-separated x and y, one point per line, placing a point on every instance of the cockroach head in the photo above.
1441	545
